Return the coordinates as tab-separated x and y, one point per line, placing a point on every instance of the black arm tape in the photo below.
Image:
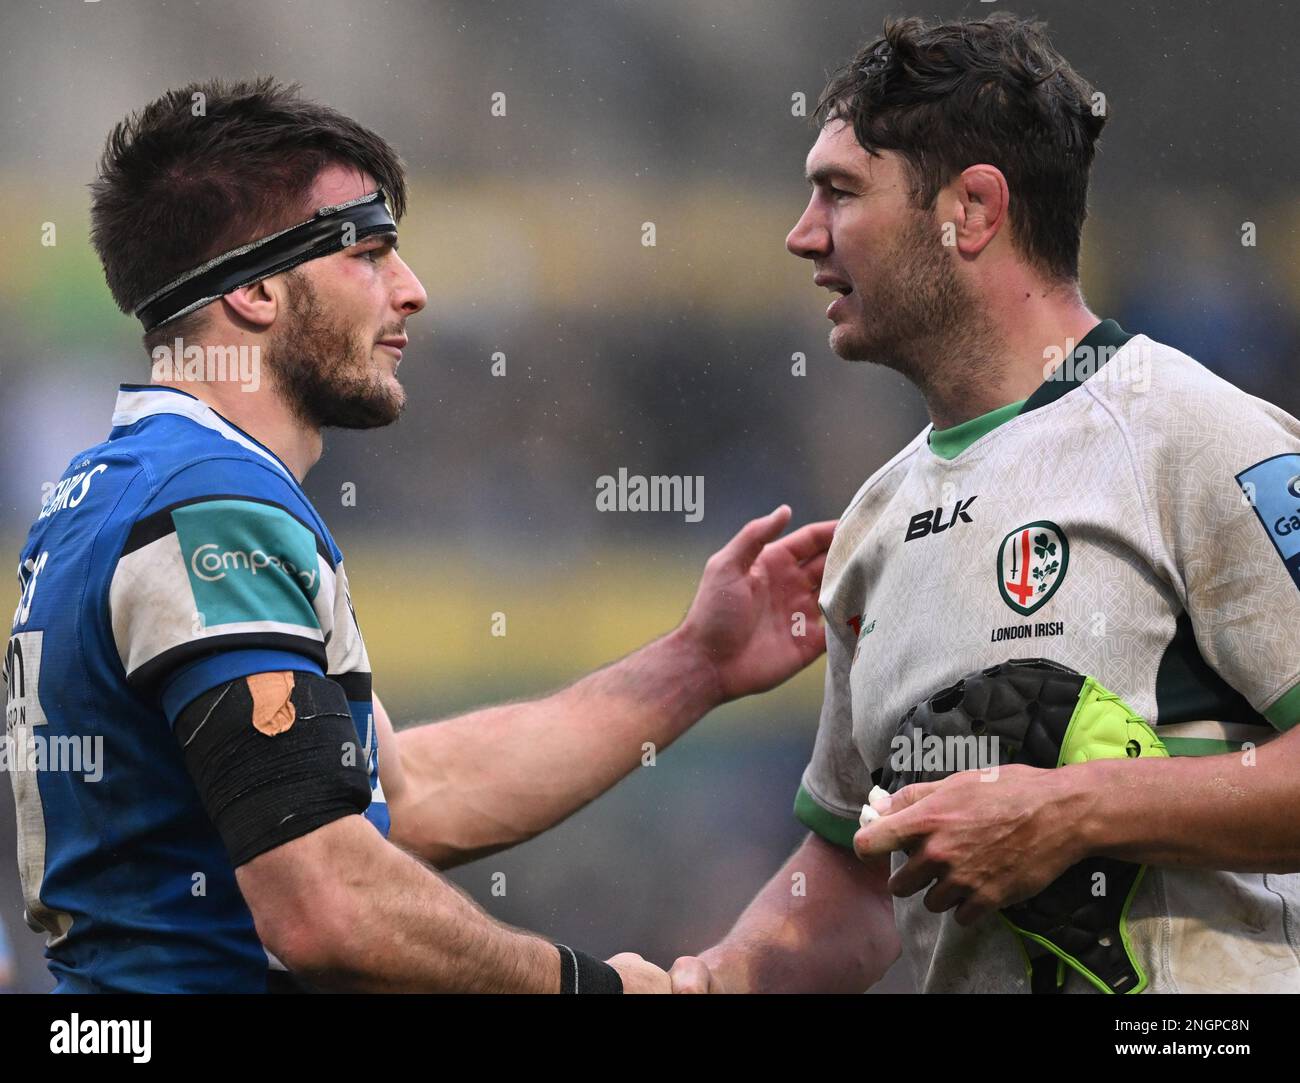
263	791
580	973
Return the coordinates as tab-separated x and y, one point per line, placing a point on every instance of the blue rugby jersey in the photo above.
175	556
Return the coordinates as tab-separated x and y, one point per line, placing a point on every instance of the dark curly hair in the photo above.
994	91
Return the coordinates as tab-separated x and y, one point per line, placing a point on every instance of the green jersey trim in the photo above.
1285	713
834	829
1199	746
949	443
1093	351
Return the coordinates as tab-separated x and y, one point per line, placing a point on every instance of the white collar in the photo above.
136	402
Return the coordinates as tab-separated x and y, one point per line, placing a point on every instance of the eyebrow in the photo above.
827	173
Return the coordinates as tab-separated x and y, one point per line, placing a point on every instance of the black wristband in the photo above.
580	973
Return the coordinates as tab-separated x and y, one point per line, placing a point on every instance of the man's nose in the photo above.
410	295
810	238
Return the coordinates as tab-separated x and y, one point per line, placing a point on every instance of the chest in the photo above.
952	576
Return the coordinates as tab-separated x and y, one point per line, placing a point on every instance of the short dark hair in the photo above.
950	95
189	177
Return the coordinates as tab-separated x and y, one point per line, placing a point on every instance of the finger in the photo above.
744	548
810	540
972	910
814	569
689	975
917	873
910	795
884	836
944	895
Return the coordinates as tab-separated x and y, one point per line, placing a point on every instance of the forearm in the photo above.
1235	811
830	931
358	914
495	777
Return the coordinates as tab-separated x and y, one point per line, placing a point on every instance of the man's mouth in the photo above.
396	343
837	286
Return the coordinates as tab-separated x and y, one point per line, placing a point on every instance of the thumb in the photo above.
690	974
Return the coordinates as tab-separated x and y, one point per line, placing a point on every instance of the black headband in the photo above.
322	234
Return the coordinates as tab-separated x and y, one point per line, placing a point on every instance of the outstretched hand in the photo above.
755	616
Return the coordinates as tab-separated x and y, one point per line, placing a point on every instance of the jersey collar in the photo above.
1093	350
949	443
135	402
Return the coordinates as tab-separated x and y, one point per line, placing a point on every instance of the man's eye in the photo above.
377	252
837	193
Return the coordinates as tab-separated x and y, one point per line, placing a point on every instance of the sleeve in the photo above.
222	575
836	781
1224	482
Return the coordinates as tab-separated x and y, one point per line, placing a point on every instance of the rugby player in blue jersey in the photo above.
258	824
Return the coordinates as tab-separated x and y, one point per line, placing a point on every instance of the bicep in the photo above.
823	923
268	757
1226	513
838	873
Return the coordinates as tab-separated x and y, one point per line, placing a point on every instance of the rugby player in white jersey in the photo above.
1083	495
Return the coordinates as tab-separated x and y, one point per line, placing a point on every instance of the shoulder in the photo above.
868	502
1170	405
225	555
1208	459
192	472
184	460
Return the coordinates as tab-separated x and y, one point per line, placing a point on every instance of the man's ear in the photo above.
259	304
980	201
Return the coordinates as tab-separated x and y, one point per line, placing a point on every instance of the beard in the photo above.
919	317
325	369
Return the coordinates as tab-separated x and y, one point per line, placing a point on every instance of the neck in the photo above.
1006	355
262	414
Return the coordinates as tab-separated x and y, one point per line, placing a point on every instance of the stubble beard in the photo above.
326	371
921	318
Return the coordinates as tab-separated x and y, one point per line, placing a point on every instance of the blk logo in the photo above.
932	522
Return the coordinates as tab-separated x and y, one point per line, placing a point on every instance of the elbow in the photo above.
315	935
455	837
312	901
316	942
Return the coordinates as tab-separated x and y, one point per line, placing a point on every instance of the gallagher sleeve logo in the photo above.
1032	561
1272	488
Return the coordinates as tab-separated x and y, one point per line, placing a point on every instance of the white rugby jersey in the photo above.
1138	519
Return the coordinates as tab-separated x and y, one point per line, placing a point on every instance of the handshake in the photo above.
688	975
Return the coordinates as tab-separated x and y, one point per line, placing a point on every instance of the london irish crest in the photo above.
1031	564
